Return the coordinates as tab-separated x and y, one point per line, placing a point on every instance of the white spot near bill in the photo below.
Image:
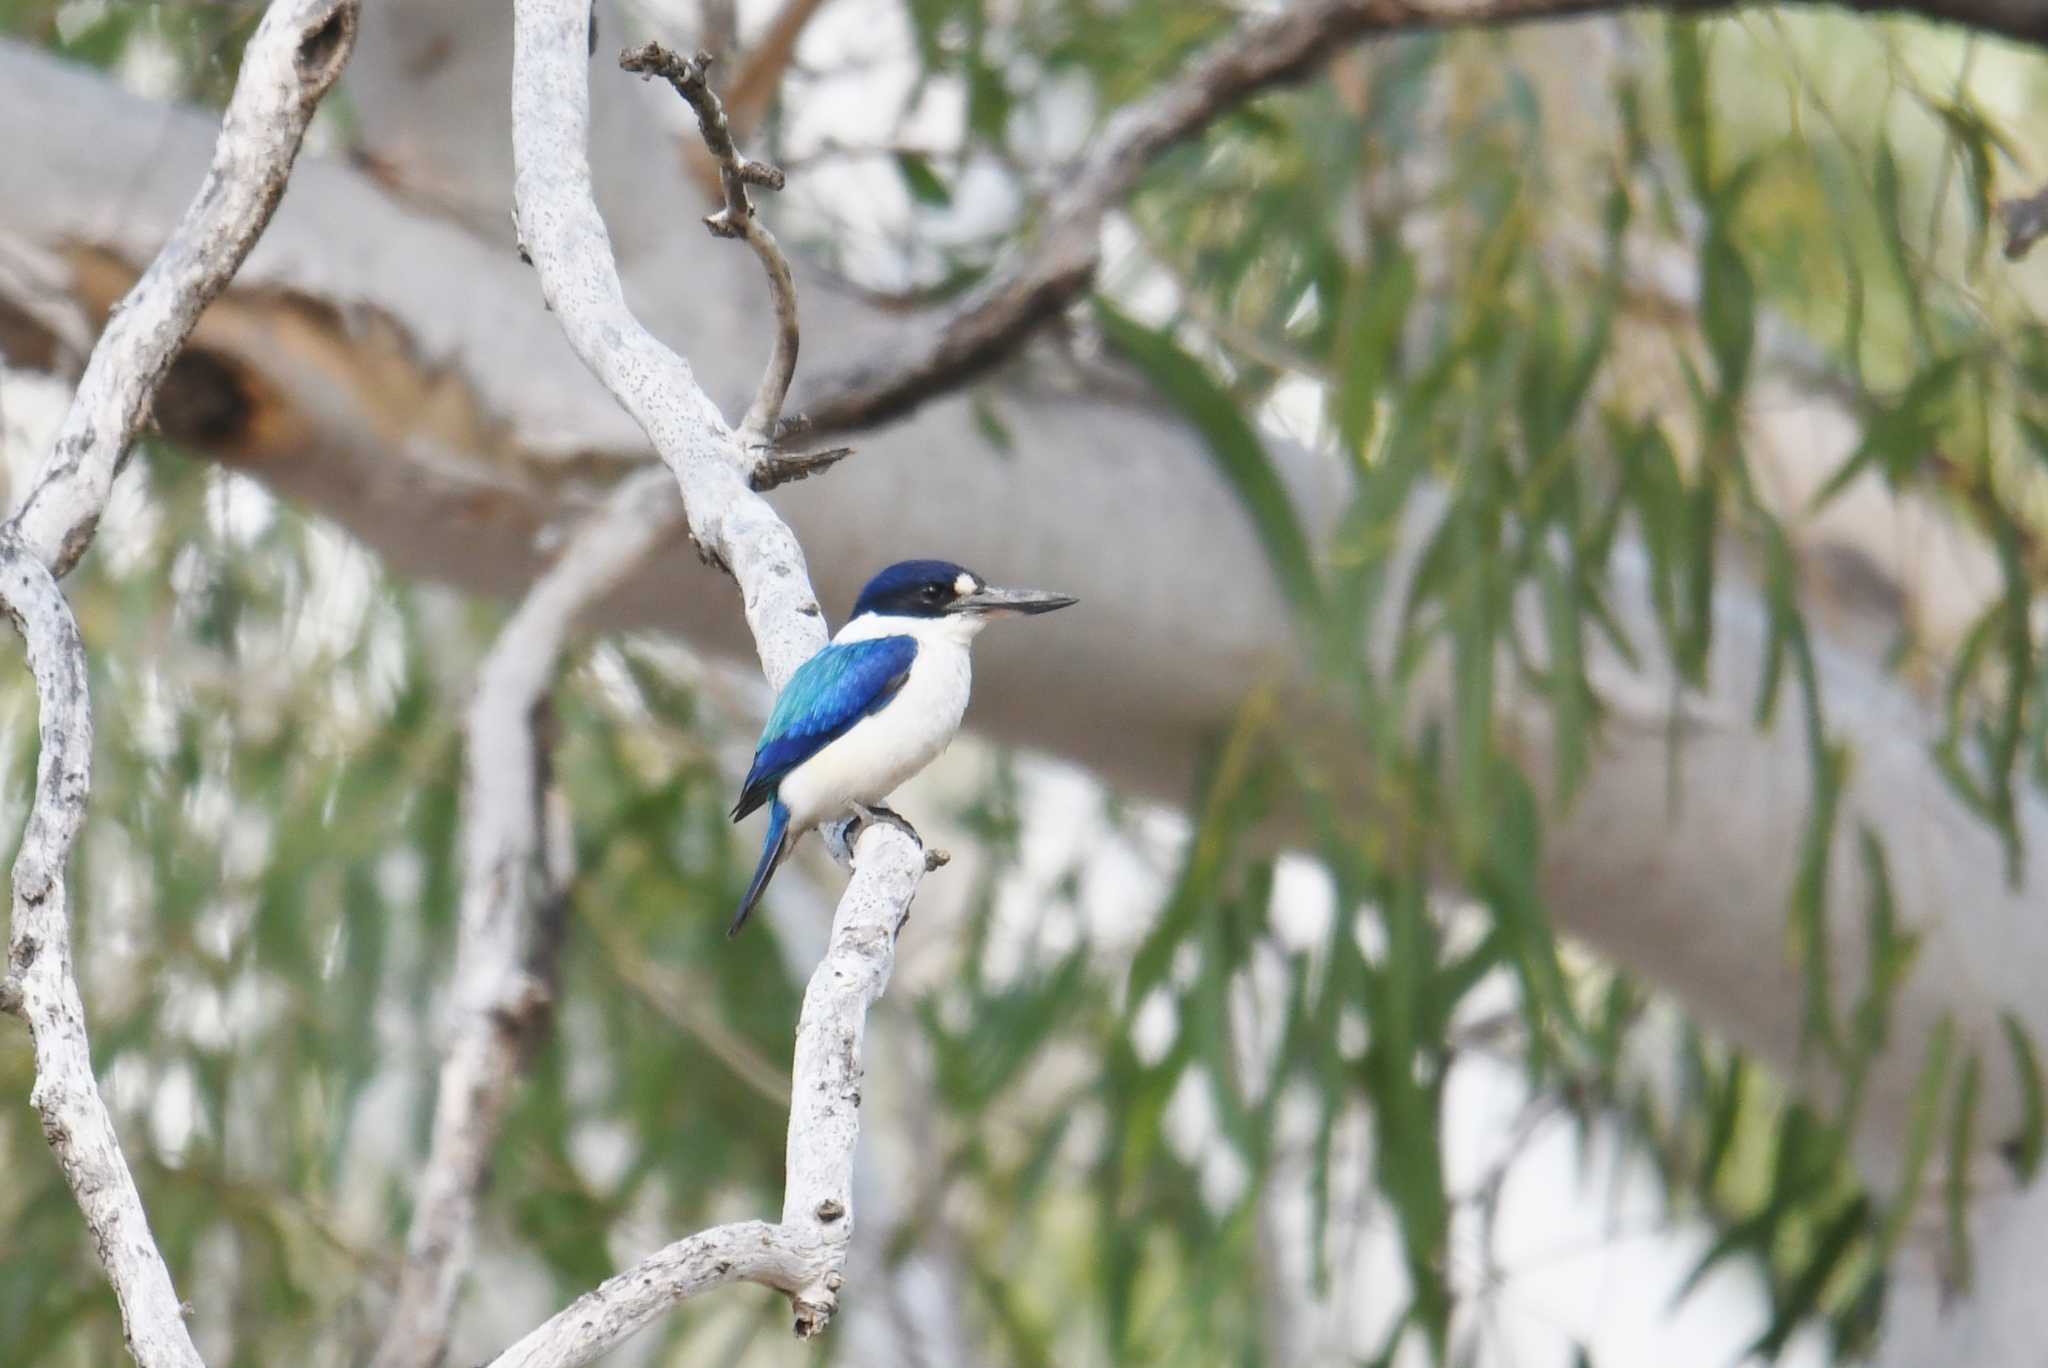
964	585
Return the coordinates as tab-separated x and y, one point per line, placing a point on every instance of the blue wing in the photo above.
830	692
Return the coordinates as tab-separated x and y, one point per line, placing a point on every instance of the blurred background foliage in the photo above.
1128	1089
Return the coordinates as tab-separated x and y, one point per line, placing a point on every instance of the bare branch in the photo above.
75	1119
291	60
736	219
714	468
781	468
294	56
516	884
622	1305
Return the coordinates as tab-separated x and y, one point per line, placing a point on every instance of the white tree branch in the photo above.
42	987
516	884
291	61
622	1305
566	240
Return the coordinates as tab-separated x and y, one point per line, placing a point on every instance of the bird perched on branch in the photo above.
875	706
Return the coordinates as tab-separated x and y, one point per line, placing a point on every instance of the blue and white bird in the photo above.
875	706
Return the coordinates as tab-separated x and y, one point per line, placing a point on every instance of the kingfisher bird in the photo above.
875	706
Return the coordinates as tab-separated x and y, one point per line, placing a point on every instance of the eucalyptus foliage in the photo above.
1431	247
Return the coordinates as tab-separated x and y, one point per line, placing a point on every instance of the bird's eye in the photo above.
932	593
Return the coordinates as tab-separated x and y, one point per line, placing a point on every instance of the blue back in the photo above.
830	692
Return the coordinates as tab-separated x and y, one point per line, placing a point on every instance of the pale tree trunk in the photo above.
386	360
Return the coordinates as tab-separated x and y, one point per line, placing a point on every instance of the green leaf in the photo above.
1376	305
921	180
1231	442
1888	195
1926	1121
1809	899
1971	139
1571	698
1898	437
1800	1300
1890	953
990	424
1691	103
1727	308
1961	1129
2024	1149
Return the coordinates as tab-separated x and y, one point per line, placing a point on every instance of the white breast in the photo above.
885	748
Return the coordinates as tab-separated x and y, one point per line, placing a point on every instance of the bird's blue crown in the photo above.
916	588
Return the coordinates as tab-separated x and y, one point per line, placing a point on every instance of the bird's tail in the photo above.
773	851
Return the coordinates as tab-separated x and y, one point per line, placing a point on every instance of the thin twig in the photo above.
516	884
691	79
292	59
780	468
713	467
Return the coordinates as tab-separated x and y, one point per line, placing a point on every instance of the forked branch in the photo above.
716	469
735	219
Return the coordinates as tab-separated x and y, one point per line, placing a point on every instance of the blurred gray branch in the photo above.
517	853
291	61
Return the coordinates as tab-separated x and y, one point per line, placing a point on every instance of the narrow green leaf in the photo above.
1727	308
1961	1149
1926	1120
1809	900
1239	454
1971	140
1830	1249
1376	305
1888	196
1691	103
2024	1149
1570	696
921	180
1721	1124
1890	953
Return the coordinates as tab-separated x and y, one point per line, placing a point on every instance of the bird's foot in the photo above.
877	812
841	835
